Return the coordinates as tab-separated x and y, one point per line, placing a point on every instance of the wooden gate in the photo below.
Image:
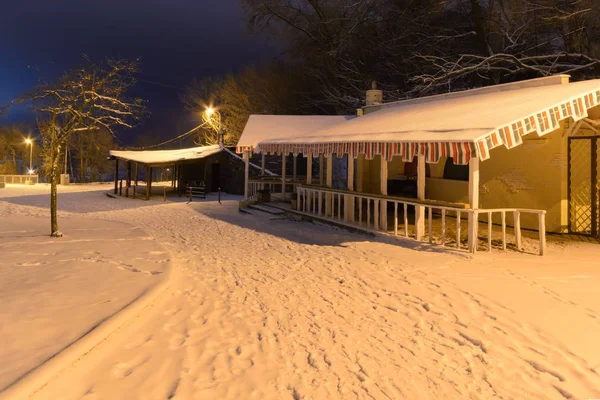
583	185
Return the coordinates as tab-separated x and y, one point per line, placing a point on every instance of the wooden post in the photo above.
262	164
136	174
503	230
542	232
443	227
246	172
309	162
294	166
128	176
116	175
383	185
420	210
349	203
321	162
473	201
283	173
165	194
517	218
121	187
148	181
134	189
489	231
329	183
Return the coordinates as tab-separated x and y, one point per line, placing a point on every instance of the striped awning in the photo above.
461	127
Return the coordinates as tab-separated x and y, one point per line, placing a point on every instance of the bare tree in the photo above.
515	39
268	89
84	100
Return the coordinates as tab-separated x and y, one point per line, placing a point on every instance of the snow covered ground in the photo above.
258	306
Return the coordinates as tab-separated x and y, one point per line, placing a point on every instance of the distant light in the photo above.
28	141
210	111
168	169
31	172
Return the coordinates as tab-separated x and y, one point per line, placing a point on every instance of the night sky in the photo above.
176	39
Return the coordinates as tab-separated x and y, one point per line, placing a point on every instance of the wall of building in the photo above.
532	175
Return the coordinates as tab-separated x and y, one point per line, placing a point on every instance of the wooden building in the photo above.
212	167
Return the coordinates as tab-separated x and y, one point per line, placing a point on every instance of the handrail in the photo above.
408	200
310	200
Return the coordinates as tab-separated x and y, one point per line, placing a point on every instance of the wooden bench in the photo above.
196	191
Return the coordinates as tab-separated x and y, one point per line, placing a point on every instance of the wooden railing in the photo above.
369	211
20	179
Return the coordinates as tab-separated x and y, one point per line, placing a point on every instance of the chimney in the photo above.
374	96
221	138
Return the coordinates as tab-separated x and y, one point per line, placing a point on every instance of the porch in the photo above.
453	224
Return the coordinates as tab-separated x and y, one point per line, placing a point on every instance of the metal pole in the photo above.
219	195
31	156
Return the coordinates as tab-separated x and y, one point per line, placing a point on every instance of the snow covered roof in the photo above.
165	156
459	125
268	127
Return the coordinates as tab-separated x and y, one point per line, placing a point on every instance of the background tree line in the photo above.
333	49
85	153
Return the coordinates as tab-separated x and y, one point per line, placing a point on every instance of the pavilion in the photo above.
461	151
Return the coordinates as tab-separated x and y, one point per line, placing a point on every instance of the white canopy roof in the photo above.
165	156
271	127
453	119
478	120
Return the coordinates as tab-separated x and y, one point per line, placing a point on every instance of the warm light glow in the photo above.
210	111
30	172
28	141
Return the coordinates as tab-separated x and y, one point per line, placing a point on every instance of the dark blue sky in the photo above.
176	39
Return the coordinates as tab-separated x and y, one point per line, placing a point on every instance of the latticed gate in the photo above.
584	165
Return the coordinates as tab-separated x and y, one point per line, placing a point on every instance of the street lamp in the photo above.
209	112
30	143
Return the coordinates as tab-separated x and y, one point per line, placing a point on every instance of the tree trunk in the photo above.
54	176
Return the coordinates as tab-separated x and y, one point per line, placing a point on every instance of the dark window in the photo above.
456	172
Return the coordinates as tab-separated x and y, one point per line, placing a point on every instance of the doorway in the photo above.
583	185
215	176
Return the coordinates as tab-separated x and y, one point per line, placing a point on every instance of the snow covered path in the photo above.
270	308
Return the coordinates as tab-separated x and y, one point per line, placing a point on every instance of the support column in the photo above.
473	201
420	210
128	176
383	187
349	211
309	169
116	175
329	183
283	167
148	181
136	174
246	172
262	164
321	169
294	166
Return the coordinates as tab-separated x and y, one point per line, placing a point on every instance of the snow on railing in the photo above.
370	212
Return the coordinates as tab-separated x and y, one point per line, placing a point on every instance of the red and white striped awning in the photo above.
459	125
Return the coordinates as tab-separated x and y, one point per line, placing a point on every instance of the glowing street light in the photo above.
209	112
29	141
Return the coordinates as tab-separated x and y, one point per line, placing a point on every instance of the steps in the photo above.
266	209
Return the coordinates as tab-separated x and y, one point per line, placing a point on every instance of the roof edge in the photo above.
559	79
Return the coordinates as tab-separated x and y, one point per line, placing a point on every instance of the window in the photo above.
456	172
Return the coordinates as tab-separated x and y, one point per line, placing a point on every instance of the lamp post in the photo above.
217	127
30	143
